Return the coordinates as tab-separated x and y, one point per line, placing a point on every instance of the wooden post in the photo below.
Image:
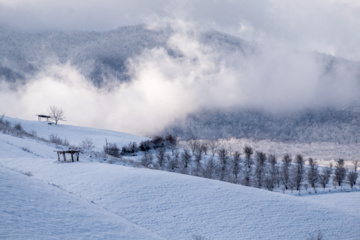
58	156
77	156
72	156
64	156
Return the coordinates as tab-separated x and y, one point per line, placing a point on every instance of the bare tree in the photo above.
324	176
171	142
171	163
208	171
340	171
285	170
352	177
248	153
56	113
353	174
223	156
248	162
259	169
298	174
87	144
147	159
356	164
204	147
313	173
236	165
160	155
194	145
185	158
197	160
213	145
274	170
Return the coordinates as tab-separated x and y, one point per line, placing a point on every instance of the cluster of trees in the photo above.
250	168
157	142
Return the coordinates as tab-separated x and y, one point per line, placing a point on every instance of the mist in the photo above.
166	87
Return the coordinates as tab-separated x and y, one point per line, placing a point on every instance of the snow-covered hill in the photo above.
75	135
92	199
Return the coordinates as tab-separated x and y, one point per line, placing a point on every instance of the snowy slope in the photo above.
74	135
342	201
173	206
32	209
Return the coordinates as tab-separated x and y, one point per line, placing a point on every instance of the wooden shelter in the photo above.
71	152
43	116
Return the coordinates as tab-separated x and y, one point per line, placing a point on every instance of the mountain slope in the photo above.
336	125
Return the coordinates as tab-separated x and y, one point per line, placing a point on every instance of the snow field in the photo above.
32	209
172	206
74	135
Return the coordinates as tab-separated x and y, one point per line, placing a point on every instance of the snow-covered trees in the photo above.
273	172
209	169
248	162
235	165
223	157
353	174
185	158
313	173
298	171
160	155
285	170
324	176
340	171
258	170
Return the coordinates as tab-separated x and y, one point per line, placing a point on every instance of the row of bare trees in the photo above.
251	168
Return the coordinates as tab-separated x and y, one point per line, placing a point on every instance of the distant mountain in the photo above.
329	124
102	56
98	55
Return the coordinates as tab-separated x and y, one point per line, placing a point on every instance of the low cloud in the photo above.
166	87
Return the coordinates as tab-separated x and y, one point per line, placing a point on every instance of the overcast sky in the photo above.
329	26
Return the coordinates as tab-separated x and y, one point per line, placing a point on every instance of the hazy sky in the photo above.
283	75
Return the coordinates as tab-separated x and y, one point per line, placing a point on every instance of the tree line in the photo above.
247	166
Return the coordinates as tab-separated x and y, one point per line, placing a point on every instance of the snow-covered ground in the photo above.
33	209
75	135
90	199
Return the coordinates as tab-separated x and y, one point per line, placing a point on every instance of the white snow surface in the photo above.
33	209
74	135
93	200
